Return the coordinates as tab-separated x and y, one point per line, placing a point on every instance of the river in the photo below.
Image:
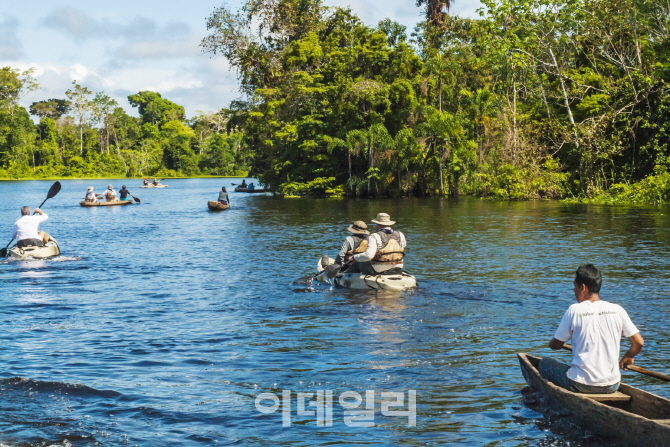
161	323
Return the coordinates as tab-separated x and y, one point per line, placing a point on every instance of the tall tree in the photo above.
82	107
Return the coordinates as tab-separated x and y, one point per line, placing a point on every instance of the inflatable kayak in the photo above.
153	186
361	281
114	203
50	250
216	206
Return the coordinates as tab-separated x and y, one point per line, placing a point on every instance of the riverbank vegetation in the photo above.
537	98
86	135
534	99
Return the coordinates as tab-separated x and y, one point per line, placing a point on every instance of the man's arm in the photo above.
15	230
368	254
637	342
339	259
43	216
556	344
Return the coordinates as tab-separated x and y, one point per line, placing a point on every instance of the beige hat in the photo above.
89	189
359	227
383	219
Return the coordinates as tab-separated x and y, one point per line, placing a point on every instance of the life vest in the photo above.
360	245
389	251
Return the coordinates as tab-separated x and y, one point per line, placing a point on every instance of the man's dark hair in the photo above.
589	275
25	211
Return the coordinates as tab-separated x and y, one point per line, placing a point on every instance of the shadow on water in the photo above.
162	322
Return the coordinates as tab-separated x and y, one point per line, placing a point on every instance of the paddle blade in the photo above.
304	281
136	199
55	189
3	252
332	270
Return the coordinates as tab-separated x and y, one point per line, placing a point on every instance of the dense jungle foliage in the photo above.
86	135
535	99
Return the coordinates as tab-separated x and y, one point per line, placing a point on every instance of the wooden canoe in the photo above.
251	191
629	418
216	206
115	203
153	186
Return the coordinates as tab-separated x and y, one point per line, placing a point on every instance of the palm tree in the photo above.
435	10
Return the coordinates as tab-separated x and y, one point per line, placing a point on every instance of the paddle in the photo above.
637	369
331	272
55	188
136	199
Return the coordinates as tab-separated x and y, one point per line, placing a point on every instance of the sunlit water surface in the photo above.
161	323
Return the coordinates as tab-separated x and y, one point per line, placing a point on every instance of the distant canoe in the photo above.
251	191
629	418
115	203
216	206
153	186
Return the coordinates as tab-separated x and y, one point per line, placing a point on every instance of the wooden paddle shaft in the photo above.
637	369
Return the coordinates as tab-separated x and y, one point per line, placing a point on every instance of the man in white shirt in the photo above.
110	194
595	327
25	229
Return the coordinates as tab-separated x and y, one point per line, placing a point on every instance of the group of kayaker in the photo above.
109	195
155	182
373	254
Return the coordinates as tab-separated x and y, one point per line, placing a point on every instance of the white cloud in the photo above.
80	26
158	49
10	45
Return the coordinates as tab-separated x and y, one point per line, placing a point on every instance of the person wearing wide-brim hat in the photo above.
384	252
360	233
91	197
110	194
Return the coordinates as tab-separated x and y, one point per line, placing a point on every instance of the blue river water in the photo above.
161	323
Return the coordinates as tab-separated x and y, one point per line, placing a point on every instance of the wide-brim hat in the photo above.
359	227
90	188
383	219
109	186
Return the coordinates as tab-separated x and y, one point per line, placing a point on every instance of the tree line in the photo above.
536	98
90	135
533	99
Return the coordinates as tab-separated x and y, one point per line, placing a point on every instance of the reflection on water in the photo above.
160	323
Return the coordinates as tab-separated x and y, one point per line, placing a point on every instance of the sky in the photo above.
126	46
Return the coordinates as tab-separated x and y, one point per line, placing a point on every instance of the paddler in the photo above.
110	194
123	193
223	196
146	181
383	252
595	328
360	233
243	184
25	229
156	182
91	197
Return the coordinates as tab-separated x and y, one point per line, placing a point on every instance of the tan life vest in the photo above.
390	251
360	245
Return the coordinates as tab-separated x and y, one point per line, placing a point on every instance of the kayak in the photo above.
630	417
361	281
216	206
251	191
114	203
153	186
50	250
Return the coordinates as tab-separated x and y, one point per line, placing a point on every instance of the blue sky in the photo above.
123	47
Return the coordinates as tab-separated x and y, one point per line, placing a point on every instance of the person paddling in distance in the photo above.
26	229
91	197
156	182
383	252
110	194
243	184
146	181
595	327
223	196
351	245
123	193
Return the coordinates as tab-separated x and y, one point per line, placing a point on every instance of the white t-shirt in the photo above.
595	329
110	192
26	227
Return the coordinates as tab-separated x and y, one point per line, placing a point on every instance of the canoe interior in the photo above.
115	203
642	403
217	206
